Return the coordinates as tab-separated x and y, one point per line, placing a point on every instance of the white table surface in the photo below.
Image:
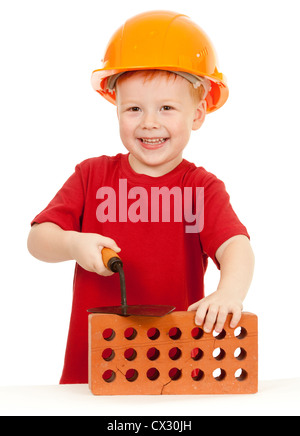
278	397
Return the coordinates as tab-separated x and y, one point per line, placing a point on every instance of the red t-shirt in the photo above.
165	239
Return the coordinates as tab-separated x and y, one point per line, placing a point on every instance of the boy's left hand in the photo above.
214	309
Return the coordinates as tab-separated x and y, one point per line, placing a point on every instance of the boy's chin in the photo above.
153	165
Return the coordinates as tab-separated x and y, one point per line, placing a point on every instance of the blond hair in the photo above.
197	94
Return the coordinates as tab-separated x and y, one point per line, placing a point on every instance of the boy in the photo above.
167	215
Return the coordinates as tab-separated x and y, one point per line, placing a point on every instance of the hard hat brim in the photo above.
215	99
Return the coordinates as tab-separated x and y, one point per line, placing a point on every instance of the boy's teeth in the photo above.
153	141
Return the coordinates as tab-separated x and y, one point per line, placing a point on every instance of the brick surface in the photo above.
171	355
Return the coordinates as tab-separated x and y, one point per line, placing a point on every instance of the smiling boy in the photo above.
133	202
157	113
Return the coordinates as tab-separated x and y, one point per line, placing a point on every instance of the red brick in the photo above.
170	355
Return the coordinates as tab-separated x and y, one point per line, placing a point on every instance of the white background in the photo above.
51	119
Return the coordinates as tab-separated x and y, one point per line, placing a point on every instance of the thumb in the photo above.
109	243
193	306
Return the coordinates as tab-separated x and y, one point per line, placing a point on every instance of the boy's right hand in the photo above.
86	249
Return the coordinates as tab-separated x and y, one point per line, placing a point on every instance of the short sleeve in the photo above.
220	220
66	208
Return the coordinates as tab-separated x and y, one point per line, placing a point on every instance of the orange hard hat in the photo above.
162	40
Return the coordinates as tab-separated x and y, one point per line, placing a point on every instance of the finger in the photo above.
99	268
236	316
201	313
210	318
221	319
201	309
106	273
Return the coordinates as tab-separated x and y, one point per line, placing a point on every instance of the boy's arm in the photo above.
236	261
50	243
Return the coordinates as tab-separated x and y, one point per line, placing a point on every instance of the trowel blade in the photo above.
139	310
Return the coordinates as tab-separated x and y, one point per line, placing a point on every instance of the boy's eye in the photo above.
166	108
134	109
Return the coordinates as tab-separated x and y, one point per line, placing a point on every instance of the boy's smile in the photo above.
153	143
156	117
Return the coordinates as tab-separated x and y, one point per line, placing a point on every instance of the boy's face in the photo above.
156	118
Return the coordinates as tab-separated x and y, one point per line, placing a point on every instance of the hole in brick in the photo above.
153	333
108	354
240	332
197	333
220	335
131	375
109	376
241	374
174	333
219	374
130	354
153	353
174	353
219	354
130	333
196	354
174	373
108	334
152	374
197	374
240	354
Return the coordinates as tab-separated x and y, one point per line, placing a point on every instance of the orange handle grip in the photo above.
107	254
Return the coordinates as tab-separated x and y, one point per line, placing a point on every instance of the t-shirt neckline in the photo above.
150	180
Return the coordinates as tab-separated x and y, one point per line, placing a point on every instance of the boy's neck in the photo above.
155	170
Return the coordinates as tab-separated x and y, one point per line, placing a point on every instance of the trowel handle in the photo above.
110	258
113	262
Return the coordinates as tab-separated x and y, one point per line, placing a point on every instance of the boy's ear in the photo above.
199	115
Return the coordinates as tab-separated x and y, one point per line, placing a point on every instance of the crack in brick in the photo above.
163	386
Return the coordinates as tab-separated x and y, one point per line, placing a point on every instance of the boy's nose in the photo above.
150	121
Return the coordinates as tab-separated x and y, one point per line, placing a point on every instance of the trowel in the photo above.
113	262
